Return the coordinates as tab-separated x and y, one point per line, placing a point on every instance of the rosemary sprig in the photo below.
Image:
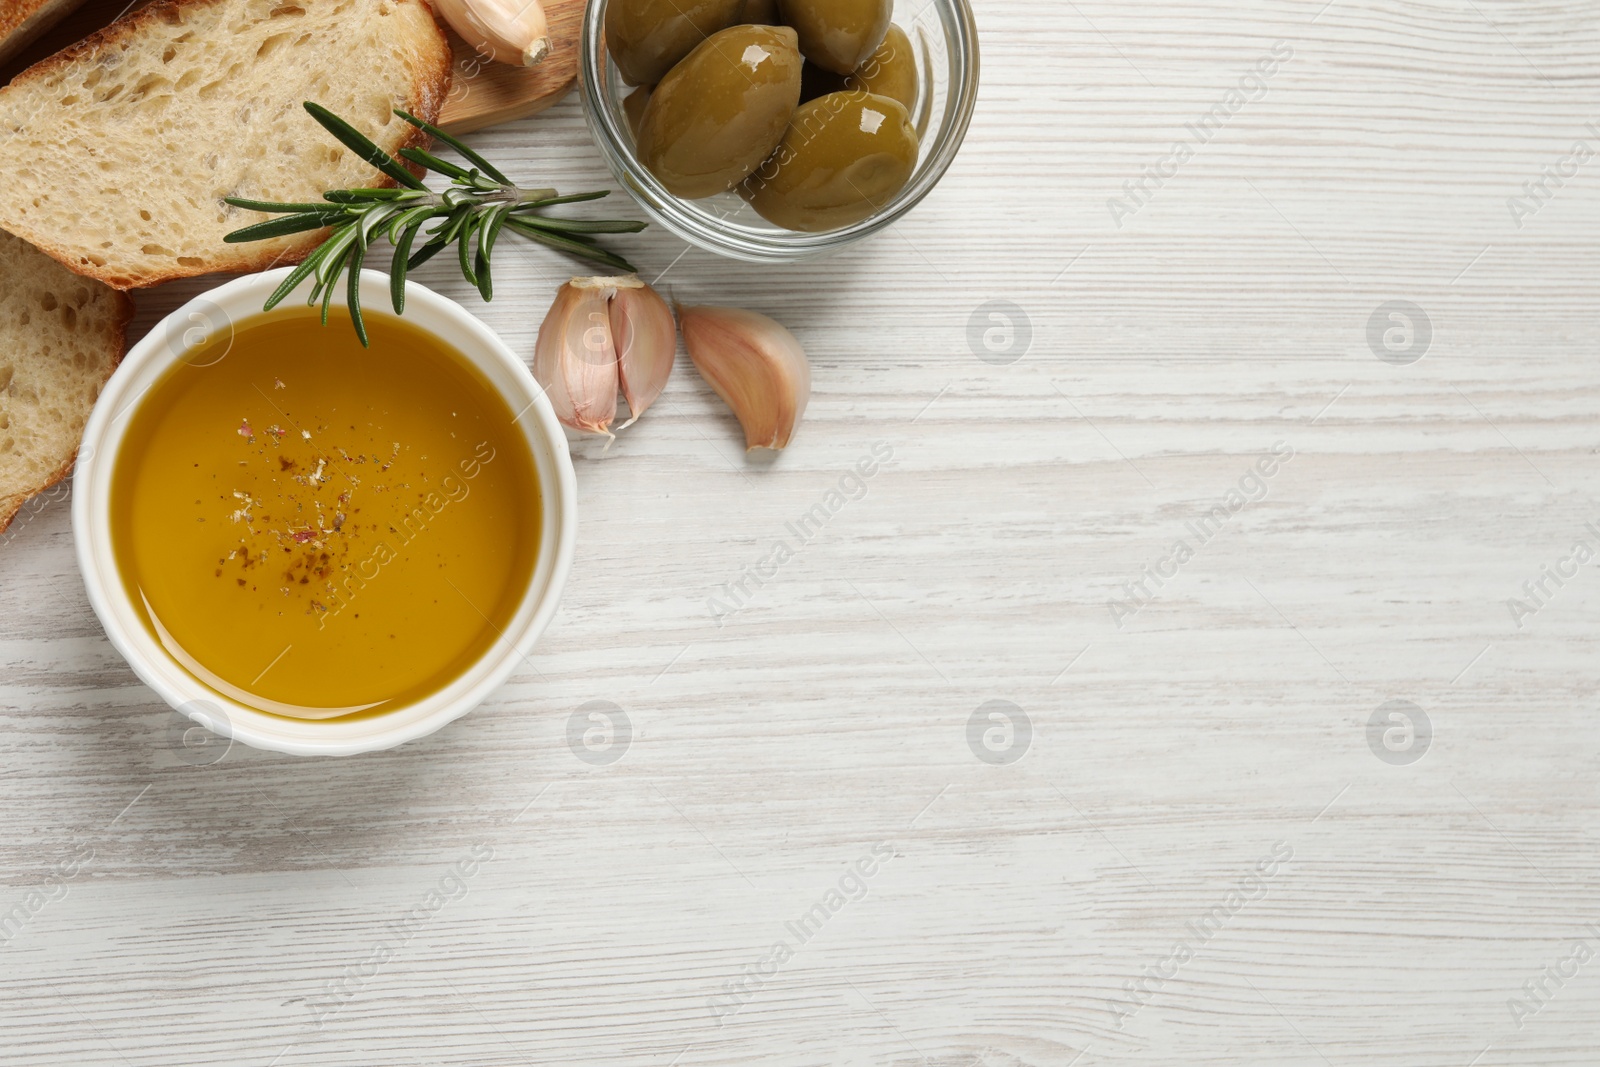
480	203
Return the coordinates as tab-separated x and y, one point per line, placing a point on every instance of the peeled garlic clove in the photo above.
508	31
646	340
755	365
576	357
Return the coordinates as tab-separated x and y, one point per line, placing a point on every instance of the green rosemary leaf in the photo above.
330	283
362	145
397	269
367	196
464	248
296	276
485	282
284	226
373	221
576	226
425	253
358	255
572	198
317	284
466	153
579	238
491	231
455	224
433	162
338	251
488	233
410	219
268	207
480	269
572	246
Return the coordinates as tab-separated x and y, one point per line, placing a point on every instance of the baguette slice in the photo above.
117	152
23	20
60	338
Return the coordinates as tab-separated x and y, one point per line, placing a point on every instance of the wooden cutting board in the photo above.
482	93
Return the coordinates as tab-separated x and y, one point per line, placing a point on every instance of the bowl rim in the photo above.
167	344
757	245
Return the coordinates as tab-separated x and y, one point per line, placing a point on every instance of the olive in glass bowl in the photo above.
800	186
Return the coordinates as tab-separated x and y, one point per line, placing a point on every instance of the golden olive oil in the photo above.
316	529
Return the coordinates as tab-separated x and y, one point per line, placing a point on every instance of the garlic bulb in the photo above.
755	365
601	335
509	31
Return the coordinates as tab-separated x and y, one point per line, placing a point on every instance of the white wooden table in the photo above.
1182	848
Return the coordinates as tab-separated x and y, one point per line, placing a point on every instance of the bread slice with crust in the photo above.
23	20
61	336
116	153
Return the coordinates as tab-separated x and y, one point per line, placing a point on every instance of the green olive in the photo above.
838	35
647	37
633	106
890	71
723	110
761	12
844	156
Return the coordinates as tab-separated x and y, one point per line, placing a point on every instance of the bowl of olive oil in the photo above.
315	546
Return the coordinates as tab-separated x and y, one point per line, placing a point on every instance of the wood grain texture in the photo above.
225	906
483	93
23	21
486	93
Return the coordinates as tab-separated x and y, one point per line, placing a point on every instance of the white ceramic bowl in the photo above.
170	342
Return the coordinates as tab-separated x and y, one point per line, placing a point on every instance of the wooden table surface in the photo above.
1318	793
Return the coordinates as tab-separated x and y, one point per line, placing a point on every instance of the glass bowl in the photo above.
946	40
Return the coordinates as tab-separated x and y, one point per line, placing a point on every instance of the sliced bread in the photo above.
23	20
60	337
115	154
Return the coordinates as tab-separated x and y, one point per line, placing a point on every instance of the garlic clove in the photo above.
646	340
755	365
508	31
576	359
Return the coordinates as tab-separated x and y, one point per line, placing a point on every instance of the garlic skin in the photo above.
646	341
576	360
755	365
602	335
508	31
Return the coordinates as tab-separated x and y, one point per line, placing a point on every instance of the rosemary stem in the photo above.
472	210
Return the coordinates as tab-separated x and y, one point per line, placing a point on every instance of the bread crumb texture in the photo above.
120	150
61	336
